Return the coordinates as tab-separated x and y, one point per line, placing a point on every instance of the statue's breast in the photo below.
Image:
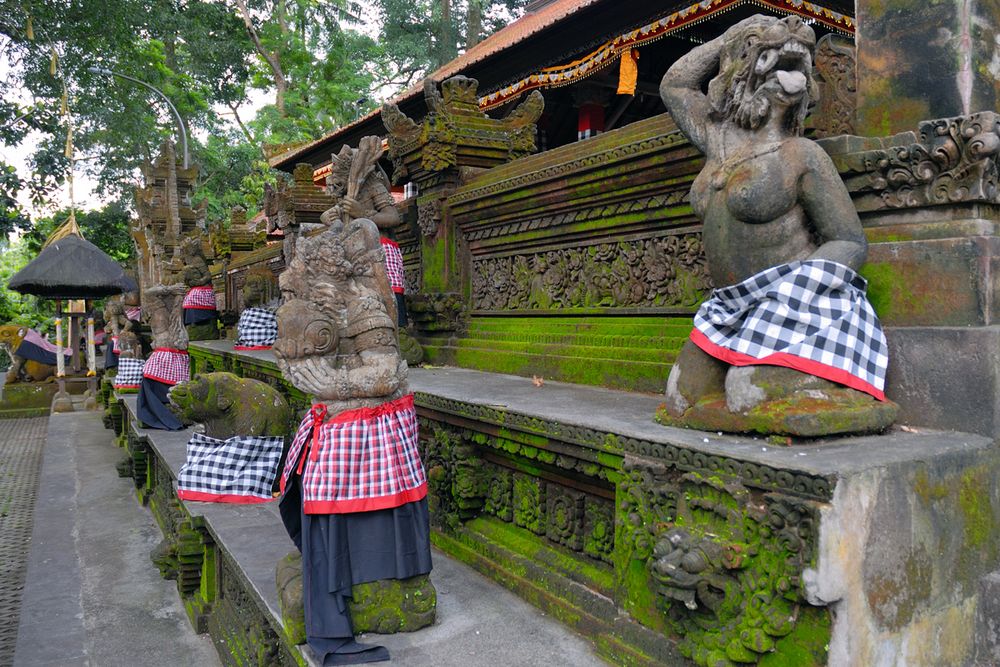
761	190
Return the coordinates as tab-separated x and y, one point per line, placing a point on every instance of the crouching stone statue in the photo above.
788	342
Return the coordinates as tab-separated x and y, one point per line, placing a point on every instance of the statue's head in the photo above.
334	290
257	286
765	68
129	346
194	271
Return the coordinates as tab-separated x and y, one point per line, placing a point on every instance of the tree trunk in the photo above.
474	24
270	57
446	43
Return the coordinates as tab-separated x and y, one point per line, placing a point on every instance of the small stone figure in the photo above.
168	364
337	341
114	321
257	327
201	313
237	458
791	345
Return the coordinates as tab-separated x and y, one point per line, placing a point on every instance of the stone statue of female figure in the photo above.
777	220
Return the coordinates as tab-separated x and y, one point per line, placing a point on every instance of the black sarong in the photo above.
341	550
151	407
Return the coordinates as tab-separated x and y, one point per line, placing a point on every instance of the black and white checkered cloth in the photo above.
129	375
256	330
241	469
811	316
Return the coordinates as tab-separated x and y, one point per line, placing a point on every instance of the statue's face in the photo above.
765	68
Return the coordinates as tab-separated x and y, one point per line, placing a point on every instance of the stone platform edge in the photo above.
223	556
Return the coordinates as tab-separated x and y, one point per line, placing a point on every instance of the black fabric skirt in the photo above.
199	316
110	358
151	407
401	319
341	550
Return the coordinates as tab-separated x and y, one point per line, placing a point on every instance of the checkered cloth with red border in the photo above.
358	461
129	375
200	298
811	316
256	330
394	265
240	469
168	366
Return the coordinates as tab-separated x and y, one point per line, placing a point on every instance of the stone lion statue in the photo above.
27	370
779	224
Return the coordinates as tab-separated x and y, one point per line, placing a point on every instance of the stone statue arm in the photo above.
681	90
830	210
376	376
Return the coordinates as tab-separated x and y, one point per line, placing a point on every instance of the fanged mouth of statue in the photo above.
786	67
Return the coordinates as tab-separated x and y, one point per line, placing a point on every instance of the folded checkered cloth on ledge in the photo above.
129	375
168	366
257	328
200	298
241	469
811	316
133	313
394	265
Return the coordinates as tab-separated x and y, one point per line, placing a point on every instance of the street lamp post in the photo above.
177	115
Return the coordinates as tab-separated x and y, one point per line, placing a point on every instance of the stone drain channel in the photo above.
22	442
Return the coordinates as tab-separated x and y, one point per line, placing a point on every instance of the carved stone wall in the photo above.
556	241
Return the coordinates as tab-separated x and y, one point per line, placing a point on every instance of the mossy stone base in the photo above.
384	607
838	411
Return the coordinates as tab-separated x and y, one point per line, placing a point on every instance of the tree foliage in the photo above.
324	65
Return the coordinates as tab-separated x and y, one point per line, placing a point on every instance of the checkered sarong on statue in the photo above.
241	469
168	366
133	313
129	375
394	265
200	298
358	461
811	316
256	330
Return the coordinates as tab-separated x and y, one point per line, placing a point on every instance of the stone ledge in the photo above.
251	537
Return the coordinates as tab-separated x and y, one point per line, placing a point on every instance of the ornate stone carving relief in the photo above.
725	562
836	74
657	272
953	160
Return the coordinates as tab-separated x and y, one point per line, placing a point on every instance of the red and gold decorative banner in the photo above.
562	75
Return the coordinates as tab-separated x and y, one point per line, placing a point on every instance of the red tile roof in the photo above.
521	29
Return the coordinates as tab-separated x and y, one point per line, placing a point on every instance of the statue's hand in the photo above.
353	208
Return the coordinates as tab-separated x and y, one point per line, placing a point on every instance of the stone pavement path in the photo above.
92	596
21	444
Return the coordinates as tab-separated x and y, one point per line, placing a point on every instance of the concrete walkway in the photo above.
92	596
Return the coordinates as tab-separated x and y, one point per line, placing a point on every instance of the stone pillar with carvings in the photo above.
453	141
920	60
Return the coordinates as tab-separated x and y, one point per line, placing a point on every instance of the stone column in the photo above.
920	60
